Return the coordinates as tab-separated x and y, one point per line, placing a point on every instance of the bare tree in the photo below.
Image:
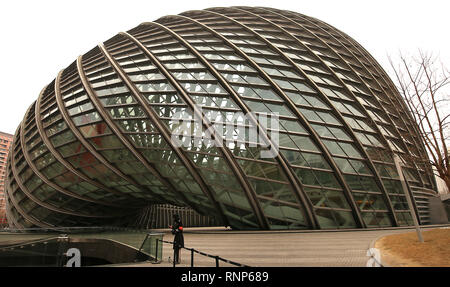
423	82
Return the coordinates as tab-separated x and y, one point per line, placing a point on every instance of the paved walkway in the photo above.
317	248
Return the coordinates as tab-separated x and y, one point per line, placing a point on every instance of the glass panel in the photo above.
369	201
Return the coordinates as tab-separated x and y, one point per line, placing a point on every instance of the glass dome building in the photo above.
98	144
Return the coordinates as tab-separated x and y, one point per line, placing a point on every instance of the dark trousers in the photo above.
176	255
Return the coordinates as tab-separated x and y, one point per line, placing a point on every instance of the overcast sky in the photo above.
39	38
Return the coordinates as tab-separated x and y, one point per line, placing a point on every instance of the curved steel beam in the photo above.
302	119
83	141
181	92
388	82
10	219
367	86
335	112
47	181
310	216
65	163
163	130
349	92
113	126
410	117
21	185
205	122
374	79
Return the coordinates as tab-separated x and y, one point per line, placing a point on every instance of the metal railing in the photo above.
215	257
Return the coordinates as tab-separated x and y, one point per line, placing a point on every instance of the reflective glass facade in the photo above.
96	145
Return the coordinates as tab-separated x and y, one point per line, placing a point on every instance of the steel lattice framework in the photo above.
96	145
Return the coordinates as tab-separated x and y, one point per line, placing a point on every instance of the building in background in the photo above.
97	146
5	142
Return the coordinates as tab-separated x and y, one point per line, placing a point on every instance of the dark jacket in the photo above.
177	230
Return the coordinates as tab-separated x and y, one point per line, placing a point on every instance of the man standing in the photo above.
178	240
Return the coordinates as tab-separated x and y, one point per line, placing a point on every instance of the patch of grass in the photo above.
406	250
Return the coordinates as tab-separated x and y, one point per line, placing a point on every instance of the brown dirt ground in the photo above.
405	250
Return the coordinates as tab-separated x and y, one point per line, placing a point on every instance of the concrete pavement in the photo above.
314	249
